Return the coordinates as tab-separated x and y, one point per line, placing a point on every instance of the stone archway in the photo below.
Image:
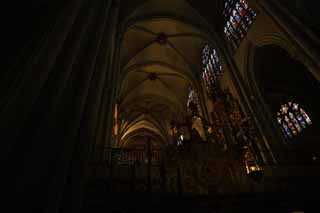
276	78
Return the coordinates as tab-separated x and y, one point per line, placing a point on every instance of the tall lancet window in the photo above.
211	67
239	17
292	119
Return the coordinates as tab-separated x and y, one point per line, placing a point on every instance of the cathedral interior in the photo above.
160	105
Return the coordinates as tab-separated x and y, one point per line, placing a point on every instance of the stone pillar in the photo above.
163	171
149	166
100	99
243	93
133	177
179	181
51	111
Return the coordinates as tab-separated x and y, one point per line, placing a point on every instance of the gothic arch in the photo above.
274	77
146	132
160	50
286	43
263	40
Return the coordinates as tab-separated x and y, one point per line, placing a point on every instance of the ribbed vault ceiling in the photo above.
160	57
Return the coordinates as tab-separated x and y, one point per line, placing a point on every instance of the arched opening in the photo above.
282	80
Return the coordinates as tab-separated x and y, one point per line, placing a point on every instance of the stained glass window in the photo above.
292	119
239	17
211	67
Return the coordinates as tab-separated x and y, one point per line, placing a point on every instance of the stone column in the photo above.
95	121
244	99
50	113
149	166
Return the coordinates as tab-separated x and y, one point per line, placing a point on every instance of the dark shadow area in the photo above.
281	79
145	202
306	11
23	24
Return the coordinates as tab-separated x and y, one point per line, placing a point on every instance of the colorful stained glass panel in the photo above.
292	119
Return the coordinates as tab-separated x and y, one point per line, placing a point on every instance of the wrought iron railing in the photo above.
108	156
